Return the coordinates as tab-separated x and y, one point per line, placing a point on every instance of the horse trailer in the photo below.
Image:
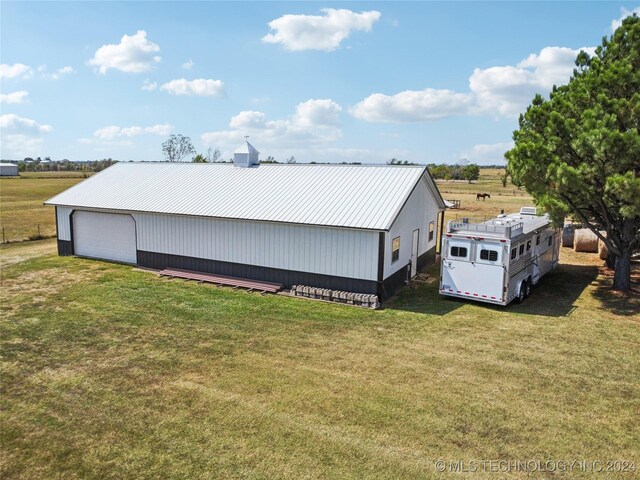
499	260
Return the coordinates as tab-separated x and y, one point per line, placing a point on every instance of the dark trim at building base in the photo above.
65	248
288	278
426	259
398	279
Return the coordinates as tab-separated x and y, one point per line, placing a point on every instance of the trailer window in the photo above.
538	240
521	249
514	252
549	241
431	230
528	245
395	249
458	251
490	255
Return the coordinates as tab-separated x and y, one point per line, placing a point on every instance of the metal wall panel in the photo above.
328	251
64	226
420	209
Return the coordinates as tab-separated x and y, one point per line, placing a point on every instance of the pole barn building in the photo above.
8	170
357	228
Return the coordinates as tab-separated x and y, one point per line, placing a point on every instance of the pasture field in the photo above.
108	371
21	208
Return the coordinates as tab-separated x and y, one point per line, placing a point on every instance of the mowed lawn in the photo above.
21	208
109	371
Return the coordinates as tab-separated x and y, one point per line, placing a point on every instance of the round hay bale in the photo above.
603	251
568	231
584	240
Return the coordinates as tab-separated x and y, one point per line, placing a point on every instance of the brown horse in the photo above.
482	196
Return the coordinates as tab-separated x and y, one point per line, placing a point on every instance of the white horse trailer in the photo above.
499	260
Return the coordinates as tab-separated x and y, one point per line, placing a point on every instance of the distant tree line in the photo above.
469	172
47	165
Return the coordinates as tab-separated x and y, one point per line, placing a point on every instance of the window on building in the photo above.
432	228
459	252
521	249
490	255
538	240
395	249
514	253
528	245
549	241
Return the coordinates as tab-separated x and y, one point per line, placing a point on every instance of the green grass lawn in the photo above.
111	372
21	208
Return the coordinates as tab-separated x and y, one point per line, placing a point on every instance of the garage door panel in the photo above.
109	236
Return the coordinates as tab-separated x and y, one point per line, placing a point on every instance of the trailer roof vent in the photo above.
528	211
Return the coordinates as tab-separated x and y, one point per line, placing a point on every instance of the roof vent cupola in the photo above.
246	155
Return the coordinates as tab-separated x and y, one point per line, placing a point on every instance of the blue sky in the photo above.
347	81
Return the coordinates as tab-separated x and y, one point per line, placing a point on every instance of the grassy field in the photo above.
111	372
21	208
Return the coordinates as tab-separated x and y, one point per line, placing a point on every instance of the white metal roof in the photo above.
3	164
351	196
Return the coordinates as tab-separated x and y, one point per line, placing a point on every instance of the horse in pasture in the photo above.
482	196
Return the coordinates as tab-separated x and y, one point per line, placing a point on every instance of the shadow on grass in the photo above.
617	302
554	296
557	292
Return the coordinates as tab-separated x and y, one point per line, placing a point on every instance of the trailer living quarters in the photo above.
499	260
356	228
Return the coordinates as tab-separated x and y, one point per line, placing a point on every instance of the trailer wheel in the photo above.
522	293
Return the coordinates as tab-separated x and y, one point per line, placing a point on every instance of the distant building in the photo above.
357	228
8	170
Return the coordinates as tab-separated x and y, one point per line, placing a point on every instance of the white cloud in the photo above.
412	106
624	13
487	154
20	136
508	90
134	54
17	70
61	72
149	85
503	90
319	32
200	86
113	131
188	65
315	121
11	122
14	97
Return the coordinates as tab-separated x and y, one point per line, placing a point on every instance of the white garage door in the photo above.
110	236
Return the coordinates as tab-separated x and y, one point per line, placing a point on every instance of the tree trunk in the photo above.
622	275
611	260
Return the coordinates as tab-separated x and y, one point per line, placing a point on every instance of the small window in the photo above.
514	253
549	241
431	230
528	245
490	255
395	249
458	251
538	240
521	249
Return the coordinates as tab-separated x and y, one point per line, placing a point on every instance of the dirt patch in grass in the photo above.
10	254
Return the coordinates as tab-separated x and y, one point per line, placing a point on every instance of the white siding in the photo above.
329	251
420	209
64	228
